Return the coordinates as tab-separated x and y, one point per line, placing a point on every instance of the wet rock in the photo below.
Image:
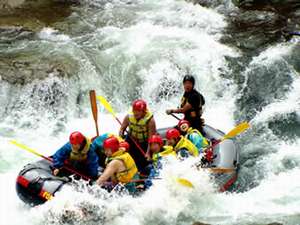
199	223
33	14
23	69
10	34
5	4
252	3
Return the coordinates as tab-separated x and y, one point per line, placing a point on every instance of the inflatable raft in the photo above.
35	183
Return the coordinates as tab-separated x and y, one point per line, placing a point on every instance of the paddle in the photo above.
94	109
47	158
176	117
185	182
182	181
108	107
234	132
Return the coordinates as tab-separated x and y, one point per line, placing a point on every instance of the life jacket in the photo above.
187	144
138	129
82	155
167	151
131	169
192	130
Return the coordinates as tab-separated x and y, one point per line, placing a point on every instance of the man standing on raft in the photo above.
191	104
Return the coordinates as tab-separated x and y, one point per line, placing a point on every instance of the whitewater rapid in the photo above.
130	49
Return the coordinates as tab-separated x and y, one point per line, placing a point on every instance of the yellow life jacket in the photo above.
187	144
131	169
76	155
138	129
167	151
192	130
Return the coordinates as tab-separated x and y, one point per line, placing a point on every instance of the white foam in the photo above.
50	34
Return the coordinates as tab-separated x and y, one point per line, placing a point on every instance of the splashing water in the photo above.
129	49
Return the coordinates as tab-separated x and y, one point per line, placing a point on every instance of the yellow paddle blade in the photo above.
185	182
25	148
237	130
106	105
94	109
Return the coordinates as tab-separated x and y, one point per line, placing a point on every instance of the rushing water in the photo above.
142	48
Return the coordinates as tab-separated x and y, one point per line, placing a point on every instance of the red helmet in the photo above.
172	133
125	144
76	138
112	143
183	122
156	139
139	105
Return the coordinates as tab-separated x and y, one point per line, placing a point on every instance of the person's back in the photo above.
197	139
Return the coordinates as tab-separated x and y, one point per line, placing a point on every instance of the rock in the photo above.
24	70
253	3
5	4
199	223
32	14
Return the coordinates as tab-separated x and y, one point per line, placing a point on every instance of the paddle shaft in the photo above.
176	117
131	138
48	159
94	109
108	107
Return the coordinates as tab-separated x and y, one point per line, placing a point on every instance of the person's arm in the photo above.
151	127
60	156
109	171
202	100
124	125
185	108
93	165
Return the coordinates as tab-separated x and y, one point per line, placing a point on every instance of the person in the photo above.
191	104
158	150
120	166
141	125
78	153
182	146
98	142
192	134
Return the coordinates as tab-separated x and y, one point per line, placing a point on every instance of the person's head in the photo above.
139	108
77	140
111	145
155	143
188	83
173	136
183	126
